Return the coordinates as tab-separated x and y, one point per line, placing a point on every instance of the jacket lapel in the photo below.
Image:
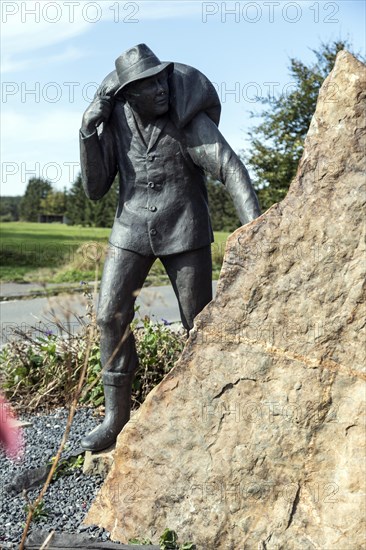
138	142
158	128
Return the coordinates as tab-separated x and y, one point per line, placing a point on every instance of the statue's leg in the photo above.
191	276
123	275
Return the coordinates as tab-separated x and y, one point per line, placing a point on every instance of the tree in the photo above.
30	205
9	209
54	203
277	142
105	208
222	209
83	211
77	204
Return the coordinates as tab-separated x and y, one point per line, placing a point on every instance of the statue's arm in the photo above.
210	151
97	155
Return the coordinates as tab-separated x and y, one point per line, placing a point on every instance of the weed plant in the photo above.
167	541
39	512
40	373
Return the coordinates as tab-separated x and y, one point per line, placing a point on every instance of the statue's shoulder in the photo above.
191	93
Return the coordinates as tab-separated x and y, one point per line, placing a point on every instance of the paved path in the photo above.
10	291
40	314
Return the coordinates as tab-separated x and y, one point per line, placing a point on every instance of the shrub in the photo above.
42	372
158	348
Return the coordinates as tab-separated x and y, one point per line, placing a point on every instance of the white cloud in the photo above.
10	64
24	33
19	37
32	27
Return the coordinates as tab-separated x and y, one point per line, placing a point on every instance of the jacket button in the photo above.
151	184
153	231
153	209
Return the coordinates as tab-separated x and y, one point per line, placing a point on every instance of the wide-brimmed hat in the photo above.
137	63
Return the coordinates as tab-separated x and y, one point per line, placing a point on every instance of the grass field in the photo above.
57	253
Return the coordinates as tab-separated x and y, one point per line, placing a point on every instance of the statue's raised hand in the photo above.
98	111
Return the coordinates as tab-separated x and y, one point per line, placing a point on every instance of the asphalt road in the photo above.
40	314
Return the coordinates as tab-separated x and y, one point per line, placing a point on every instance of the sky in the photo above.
55	53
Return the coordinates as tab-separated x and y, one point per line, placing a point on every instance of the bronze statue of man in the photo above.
154	123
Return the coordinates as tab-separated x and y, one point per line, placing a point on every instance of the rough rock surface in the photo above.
256	439
98	463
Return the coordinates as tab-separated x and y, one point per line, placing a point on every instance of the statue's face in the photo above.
149	96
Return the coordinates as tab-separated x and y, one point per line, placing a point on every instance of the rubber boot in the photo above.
117	393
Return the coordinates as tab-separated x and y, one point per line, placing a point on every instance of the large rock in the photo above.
256	439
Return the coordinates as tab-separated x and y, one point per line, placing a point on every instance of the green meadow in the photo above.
58	253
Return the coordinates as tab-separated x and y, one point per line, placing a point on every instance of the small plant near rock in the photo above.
167	541
67	466
39	511
158	348
39	371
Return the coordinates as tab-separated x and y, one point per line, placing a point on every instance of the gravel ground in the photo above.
68	498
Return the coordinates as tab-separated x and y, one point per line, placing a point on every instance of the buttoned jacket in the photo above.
163	205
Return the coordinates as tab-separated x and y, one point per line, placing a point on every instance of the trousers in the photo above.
124	274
